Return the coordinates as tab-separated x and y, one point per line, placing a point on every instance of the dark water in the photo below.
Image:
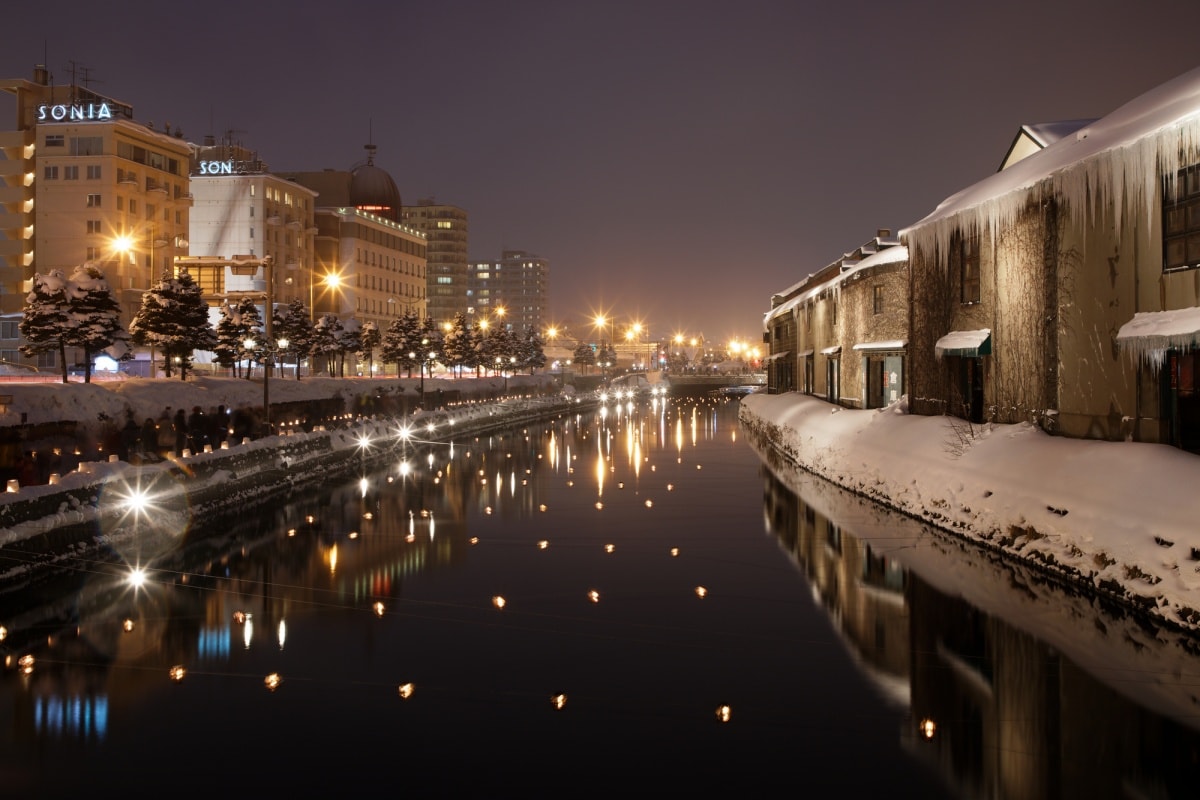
653	571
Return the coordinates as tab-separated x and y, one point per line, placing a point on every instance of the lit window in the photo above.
964	254
878	309
93	201
1181	222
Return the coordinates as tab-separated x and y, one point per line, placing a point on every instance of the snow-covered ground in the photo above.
1122	516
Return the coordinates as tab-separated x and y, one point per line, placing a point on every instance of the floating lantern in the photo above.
26	664
378	607
928	728
127	626
405	690
543	544
608	548
177	672
674	552
723	713
649	504
559	701
594	596
272	681
499	602
701	592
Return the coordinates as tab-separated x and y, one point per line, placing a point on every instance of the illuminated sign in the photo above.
216	167
79	112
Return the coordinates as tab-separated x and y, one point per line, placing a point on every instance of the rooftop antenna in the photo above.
370	146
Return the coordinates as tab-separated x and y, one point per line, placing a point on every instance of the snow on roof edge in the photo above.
1117	159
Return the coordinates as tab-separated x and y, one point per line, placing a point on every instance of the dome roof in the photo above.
372	189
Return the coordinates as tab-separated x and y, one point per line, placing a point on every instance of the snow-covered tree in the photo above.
349	340
585	355
401	342
369	339
293	324
326	341
237	324
431	344
458	346
174	318
95	318
47	315
530	352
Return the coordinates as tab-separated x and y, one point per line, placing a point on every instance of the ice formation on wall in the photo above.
1118	162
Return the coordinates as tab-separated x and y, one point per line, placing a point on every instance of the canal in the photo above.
632	598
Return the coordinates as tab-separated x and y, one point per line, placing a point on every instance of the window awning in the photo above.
897	344
804	353
967	344
775	356
1150	334
832	351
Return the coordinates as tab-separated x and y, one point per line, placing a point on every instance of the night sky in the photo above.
676	162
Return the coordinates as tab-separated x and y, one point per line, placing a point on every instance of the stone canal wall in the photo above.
74	513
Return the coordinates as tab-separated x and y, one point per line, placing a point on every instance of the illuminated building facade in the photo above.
518	283
241	209
445	228
369	265
81	181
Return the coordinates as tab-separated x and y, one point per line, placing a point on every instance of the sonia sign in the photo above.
79	112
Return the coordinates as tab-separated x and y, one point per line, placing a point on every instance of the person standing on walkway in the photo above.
180	426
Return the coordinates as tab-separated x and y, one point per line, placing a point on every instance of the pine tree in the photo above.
584	354
431	344
401	342
326	333
369	339
531	354
174	318
295	326
458	346
95	316
349	340
47	315
232	331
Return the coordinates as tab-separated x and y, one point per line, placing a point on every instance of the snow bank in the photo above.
1113	514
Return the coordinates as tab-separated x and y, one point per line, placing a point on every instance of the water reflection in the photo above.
1017	687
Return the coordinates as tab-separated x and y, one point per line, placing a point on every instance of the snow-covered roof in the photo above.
1114	162
888	255
894	344
1150	334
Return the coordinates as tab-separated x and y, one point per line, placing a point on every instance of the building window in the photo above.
93	172
878	301
1181	222
93	226
55	140
87	145
47	359
50	173
71	173
93	253
964	255
93	201
9	330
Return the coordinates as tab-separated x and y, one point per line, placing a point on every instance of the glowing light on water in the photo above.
594	596
724	713
272	681
405	690
608	548
363	485
247	633
559	701
127	626
3	633
543	544
177	673
649	504
499	602
378	607
928	728
701	592
674	552
25	664
137	577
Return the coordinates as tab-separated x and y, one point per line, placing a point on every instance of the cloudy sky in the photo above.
676	161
